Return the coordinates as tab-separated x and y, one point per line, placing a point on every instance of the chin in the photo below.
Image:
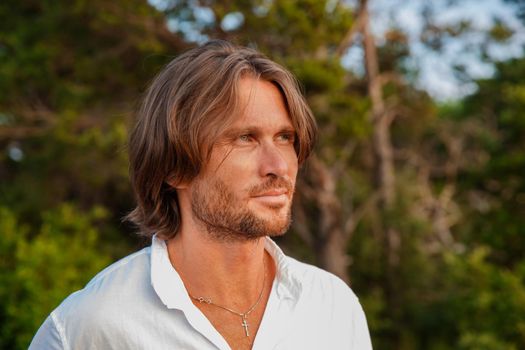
277	233
271	210
276	225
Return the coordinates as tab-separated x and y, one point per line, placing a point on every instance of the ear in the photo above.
181	186
178	185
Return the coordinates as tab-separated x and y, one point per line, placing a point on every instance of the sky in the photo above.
436	73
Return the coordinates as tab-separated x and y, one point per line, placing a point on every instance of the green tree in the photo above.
495	190
71	74
39	268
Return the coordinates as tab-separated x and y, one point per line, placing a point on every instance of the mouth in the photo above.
273	193
273	197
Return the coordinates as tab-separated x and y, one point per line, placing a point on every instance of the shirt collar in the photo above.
164	278
287	283
171	290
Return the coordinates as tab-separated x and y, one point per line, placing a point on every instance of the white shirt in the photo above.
140	302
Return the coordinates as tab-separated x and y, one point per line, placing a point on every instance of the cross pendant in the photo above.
244	324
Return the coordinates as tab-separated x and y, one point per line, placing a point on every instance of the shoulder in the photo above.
114	280
115	277
133	265
104	301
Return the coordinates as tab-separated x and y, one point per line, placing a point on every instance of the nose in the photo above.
272	161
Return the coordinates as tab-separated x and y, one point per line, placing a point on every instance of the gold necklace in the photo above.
243	315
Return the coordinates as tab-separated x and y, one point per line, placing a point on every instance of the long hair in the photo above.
185	109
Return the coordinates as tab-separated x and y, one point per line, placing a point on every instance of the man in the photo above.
214	157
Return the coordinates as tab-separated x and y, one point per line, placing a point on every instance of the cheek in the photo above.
238	166
228	164
237	173
293	163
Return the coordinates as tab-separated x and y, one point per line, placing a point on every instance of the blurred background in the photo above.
415	195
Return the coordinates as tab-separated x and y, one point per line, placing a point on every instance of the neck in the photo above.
228	272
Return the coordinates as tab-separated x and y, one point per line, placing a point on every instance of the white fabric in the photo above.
140	302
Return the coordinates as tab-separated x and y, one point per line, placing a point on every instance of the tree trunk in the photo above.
324	229
331	241
381	120
384	175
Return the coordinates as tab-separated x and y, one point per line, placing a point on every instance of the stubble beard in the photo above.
227	219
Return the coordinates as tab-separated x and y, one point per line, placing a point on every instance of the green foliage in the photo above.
489	302
68	166
295	28
499	104
57	53
317	76
39	268
71	74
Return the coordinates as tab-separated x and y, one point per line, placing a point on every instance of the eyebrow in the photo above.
255	130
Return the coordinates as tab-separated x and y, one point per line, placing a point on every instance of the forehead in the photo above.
261	104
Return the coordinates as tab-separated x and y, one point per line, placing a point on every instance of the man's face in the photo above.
246	189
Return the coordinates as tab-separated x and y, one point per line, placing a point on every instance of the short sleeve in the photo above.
47	337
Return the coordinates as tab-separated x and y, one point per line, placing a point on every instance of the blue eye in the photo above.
245	138
288	137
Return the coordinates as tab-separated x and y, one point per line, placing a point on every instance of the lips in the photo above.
273	193
274	198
